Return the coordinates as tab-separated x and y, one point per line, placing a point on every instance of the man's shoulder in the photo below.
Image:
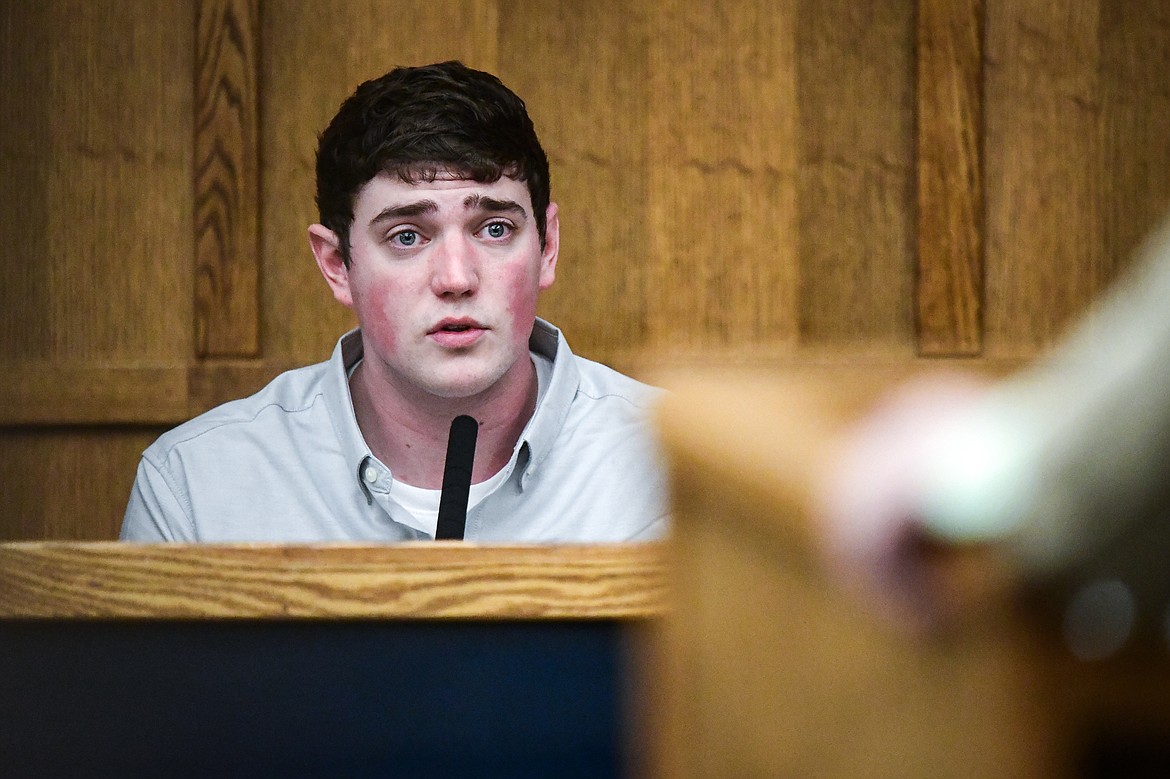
579	381
288	395
598	381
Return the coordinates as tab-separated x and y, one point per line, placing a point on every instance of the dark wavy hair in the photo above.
421	122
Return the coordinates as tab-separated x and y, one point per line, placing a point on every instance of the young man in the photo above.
437	230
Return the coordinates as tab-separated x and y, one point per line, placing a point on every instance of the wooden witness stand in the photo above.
433	659
446	580
756	664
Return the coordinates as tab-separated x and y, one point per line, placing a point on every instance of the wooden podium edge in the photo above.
446	580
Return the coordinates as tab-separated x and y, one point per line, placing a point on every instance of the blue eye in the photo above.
406	238
497	230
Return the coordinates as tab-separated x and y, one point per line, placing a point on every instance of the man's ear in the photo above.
552	246
327	250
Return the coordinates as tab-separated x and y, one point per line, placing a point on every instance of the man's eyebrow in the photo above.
494	204
405	210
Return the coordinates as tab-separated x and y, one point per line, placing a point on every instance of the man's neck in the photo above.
410	435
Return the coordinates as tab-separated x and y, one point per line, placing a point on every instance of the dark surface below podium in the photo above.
312	698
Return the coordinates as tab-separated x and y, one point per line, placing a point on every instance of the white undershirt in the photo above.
423	504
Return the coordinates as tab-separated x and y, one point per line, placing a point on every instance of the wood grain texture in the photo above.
723	120
280	582
1044	249
95	306
61	394
50	475
25	295
948	293
1135	112
102	144
51	394
214	382
226	307
855	197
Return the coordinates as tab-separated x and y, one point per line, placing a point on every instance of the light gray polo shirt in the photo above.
289	464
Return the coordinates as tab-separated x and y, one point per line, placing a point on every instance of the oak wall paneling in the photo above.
1043	176
68	482
226	178
1135	123
949	279
723	179
23	176
856	102
95	189
107	166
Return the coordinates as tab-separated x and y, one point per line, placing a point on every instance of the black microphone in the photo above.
456	479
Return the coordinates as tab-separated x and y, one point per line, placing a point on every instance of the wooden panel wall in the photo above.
96	207
753	182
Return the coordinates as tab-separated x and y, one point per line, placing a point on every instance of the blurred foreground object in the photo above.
766	667
949	496
1065	467
1066	456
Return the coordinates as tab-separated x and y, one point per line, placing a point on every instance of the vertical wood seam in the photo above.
226	179
949	273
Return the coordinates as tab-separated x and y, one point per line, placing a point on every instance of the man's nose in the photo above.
454	267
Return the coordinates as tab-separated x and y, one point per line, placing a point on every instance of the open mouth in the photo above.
457	326
458	332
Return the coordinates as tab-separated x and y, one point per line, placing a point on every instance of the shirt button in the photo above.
371	475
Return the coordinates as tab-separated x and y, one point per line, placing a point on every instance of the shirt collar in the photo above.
542	430
535	443
369	472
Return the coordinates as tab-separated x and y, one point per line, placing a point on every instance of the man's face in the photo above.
444	280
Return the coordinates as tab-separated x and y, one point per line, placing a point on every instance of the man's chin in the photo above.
458	391
468	379
461	387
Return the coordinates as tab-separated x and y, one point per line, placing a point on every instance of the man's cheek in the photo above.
383	314
522	294
381	328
